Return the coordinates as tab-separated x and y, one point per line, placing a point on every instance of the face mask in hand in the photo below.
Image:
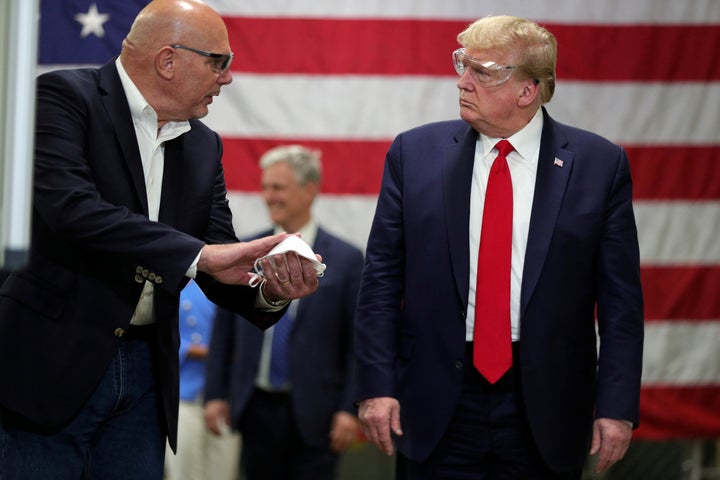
293	243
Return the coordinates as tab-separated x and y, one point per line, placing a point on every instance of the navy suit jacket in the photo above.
93	246
582	254
321	348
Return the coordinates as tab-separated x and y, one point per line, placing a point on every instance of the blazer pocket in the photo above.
36	294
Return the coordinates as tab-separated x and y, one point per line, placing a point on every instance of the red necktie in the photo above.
492	351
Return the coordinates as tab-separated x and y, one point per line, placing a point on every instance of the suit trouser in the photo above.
488	437
273	448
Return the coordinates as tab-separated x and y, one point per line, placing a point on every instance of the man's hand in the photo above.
344	431
287	276
611	438
217	416
378	417
232	262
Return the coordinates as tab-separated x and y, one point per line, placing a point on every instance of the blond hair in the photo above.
534	47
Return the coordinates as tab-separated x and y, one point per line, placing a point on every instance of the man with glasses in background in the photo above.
496	240
129	203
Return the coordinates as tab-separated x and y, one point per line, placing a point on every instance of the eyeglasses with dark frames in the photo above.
222	60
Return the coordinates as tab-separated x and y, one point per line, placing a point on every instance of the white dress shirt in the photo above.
151	143
523	163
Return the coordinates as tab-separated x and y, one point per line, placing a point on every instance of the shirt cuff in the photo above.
268	305
192	271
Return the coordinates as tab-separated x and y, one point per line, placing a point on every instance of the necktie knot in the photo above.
504	147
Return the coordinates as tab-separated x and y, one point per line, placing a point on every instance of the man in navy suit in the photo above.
571	253
129	203
294	411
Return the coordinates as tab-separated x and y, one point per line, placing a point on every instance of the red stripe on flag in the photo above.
656	170
349	167
681	293
638	52
679	412
391	46
355	167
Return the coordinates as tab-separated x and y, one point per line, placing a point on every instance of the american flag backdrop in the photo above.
345	76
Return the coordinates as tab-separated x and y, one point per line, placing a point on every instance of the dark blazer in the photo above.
93	246
321	348
582	253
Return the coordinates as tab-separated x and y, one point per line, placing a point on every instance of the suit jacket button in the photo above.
458	365
139	279
119	332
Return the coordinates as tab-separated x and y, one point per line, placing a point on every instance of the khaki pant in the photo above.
201	455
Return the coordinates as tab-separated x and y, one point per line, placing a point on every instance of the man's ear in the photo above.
529	93
165	62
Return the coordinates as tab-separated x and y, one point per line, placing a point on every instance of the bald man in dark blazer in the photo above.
129	202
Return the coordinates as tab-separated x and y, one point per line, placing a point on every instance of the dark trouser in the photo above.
488	437
116	434
272	448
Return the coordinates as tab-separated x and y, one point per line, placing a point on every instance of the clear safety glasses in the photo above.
485	73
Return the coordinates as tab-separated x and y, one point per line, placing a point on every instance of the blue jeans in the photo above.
116	435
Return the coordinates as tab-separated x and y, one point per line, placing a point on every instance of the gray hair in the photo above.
304	162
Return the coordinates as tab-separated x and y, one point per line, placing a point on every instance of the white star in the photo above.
92	22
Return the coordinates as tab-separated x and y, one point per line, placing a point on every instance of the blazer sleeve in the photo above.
620	305
381	289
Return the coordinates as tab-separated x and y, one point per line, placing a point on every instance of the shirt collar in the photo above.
141	111
526	141
308	232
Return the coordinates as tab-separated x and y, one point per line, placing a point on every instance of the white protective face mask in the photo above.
293	243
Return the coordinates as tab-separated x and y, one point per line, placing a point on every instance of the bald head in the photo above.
167	22
171	55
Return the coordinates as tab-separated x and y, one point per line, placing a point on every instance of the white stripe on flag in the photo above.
671	233
678	233
608	11
347	216
365	107
681	353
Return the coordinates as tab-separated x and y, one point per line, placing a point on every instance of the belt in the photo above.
142	333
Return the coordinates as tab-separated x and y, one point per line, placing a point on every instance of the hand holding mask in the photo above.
292	243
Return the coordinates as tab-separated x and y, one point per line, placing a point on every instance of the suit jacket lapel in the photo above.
457	170
550	186
116	104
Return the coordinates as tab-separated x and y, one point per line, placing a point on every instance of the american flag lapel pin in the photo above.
558	162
